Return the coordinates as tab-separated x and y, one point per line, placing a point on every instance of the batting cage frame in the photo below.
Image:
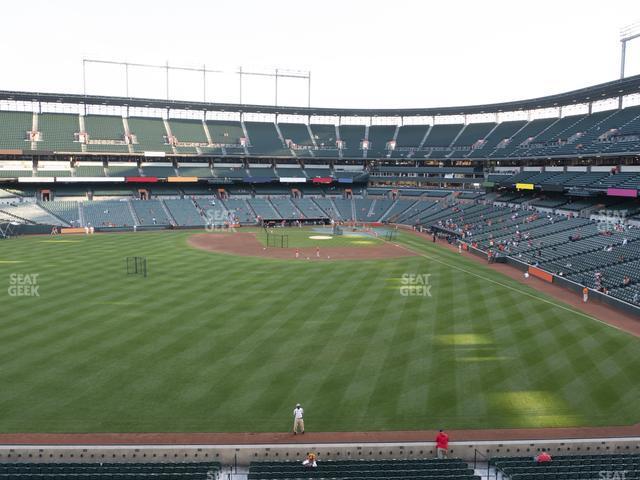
137	266
276	240
390	235
6	230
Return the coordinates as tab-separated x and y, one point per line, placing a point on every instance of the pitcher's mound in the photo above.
246	244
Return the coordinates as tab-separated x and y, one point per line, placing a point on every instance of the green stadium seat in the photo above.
14	128
59	132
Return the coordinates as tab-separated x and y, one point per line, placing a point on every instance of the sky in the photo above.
361	54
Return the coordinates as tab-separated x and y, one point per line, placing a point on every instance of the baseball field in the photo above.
226	342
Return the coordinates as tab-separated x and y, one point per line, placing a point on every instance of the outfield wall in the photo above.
594	295
29	229
244	454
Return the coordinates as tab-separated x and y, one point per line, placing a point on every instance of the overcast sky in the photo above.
392	53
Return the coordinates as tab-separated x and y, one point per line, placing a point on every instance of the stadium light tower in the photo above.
166	68
628	33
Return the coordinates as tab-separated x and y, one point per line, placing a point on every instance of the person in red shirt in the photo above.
544	457
442	444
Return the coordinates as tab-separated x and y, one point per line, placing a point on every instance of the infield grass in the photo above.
214	342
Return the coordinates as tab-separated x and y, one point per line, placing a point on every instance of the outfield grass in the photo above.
219	343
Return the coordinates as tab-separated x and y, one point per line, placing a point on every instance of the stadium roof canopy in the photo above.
603	91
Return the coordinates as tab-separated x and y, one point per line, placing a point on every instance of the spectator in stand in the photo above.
442	444
544	457
598	280
626	281
310	461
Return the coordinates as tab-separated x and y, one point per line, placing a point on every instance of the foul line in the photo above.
537	297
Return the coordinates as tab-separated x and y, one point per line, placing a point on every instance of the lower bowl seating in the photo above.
109	471
451	469
576	467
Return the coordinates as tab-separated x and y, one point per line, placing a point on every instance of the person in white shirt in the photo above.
298	420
